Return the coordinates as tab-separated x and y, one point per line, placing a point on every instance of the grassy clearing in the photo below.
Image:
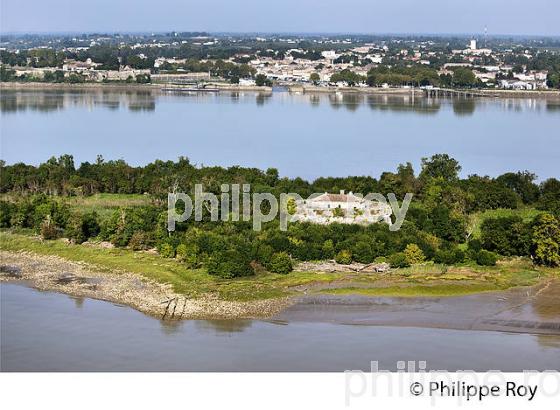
527	214
421	280
105	204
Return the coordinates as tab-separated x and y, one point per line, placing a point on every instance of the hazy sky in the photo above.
364	16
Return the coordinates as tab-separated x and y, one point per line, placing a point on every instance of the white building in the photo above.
342	208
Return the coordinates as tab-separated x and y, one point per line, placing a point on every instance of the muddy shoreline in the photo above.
534	309
53	273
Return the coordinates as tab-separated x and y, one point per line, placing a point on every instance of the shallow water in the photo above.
301	135
45	331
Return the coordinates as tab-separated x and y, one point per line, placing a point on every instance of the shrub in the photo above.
475	245
188	253
7	210
486	258
263	253
49	230
545	249
139	241
449	256
280	263
82	227
413	254
344	257
361	252
327	250
232	263
398	260
166	250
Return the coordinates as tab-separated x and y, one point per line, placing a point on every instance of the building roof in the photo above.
342	197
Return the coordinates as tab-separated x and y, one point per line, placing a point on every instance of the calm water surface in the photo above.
44	331
301	135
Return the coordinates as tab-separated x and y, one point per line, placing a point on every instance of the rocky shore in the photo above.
80	279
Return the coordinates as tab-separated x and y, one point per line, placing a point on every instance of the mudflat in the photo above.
534	309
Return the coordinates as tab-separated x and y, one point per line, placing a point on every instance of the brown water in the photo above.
45	331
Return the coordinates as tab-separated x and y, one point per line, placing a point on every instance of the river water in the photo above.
45	331
300	134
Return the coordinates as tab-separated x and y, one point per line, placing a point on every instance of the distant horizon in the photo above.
290	33
291	16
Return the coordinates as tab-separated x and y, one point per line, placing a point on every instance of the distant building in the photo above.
342	208
246	81
472	45
79	66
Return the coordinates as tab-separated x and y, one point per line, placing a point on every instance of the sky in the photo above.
534	17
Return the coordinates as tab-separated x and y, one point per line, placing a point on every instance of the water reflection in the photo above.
464	106
147	100
224	326
55	100
262	98
78	301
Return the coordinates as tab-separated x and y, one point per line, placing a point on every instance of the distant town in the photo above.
361	61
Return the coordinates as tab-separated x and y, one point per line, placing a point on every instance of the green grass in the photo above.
527	214
417	290
192	282
105	204
422	280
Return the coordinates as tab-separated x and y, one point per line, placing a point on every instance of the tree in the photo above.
413	254
348	76
550	197
314	78
506	236
522	183
546	240
261	80
143	79
446	224
440	166
463	77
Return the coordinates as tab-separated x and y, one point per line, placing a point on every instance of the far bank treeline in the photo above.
441	224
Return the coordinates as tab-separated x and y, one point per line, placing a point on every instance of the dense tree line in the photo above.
437	226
